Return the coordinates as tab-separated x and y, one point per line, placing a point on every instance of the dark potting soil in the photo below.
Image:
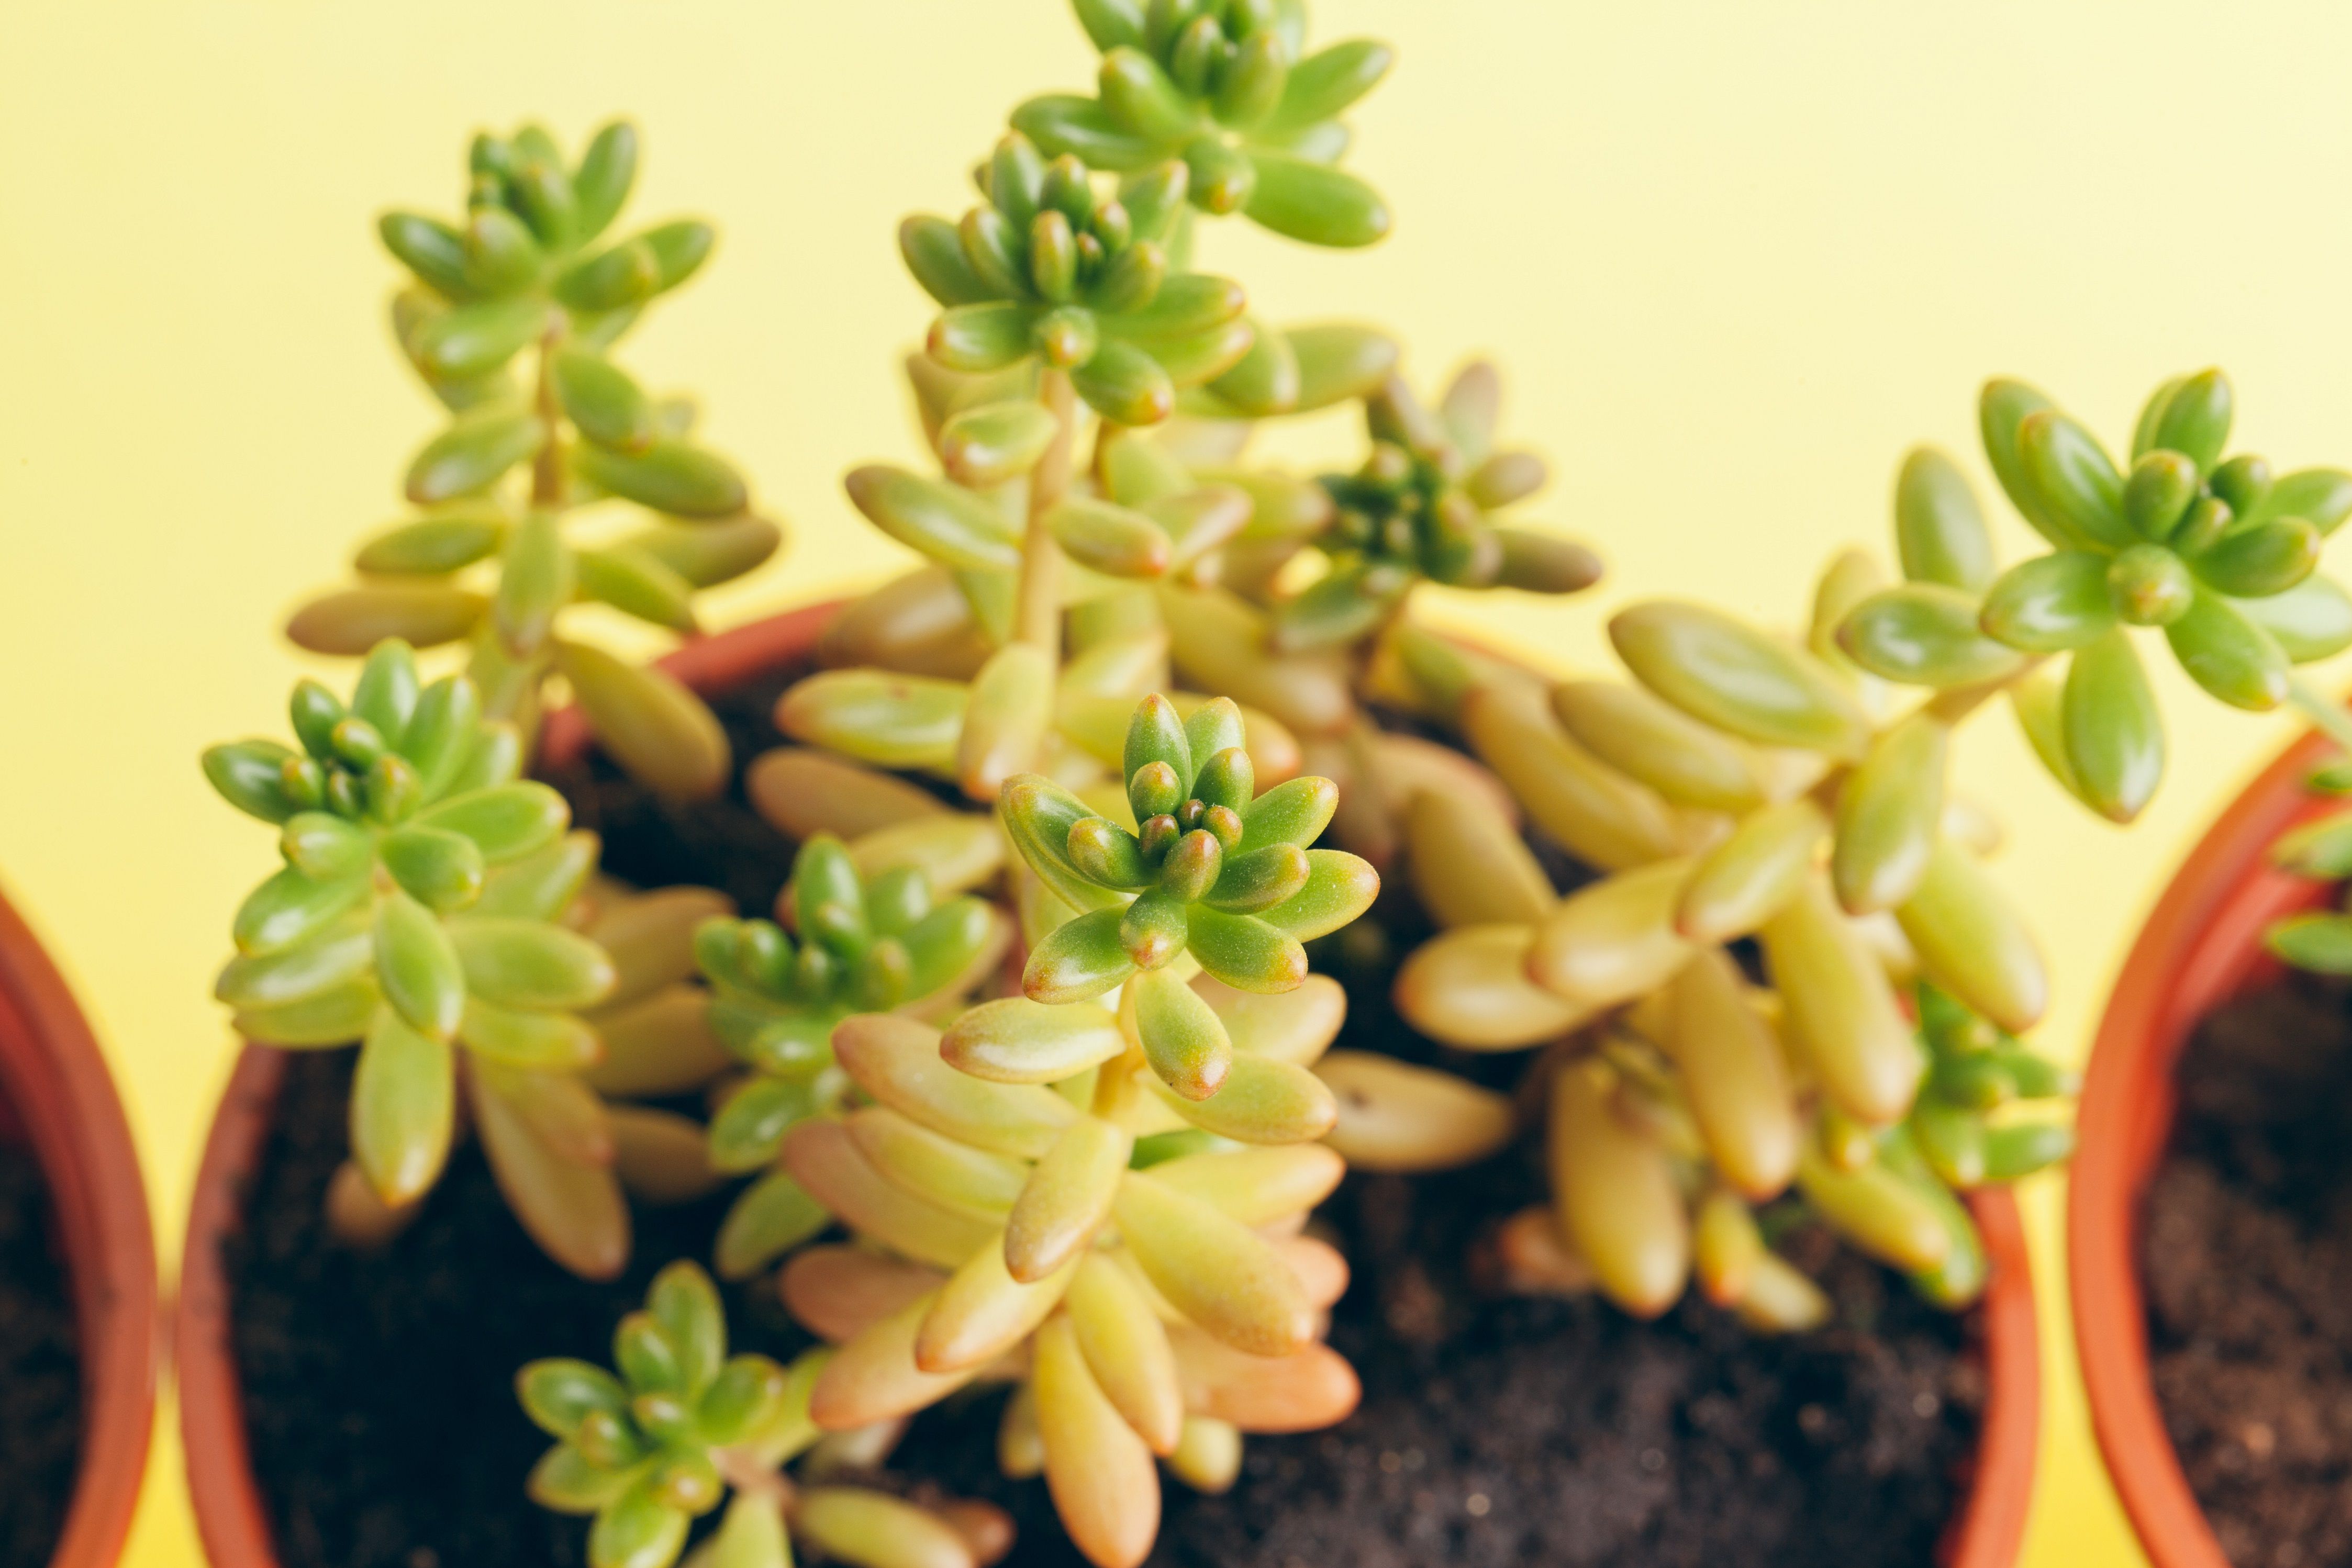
1493	1431
379	1386
2247	1255
723	844
40	1368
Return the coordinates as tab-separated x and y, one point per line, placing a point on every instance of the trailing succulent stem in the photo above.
510	321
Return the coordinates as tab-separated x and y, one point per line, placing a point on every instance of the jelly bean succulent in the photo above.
2220	553
1032	1205
1422	506
684	1424
865	947
1213	872
1747	787
1069	1186
1227	87
1059	594
1049	269
420	913
1685	1095
511	322
1146	682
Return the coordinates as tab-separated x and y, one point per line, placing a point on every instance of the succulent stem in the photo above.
1119	1094
753	1477
547	465
1956	702
1038	601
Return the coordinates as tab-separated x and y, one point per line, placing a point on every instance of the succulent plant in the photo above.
865	947
1156	672
1136	1279
1212	871
683	1424
1748	786
419	911
1420	507
1228	88
1083	1175
526	282
1046	268
2218	553
1744	788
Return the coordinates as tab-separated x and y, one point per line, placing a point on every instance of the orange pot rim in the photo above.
2202	946
233	1524
56	1080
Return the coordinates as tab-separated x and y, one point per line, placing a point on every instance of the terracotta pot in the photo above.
2201	946
235	1525
55	1095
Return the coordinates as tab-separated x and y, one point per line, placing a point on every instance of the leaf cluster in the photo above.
655	1447
510	322
420	912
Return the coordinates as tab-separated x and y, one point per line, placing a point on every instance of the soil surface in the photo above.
40	1367
379	1387
1495	1431
2247	1255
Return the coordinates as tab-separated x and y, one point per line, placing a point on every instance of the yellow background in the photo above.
1735	257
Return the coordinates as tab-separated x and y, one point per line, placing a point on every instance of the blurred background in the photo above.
1734	258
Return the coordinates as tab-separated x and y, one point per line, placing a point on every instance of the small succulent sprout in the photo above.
527	283
1051	269
1004	1220
1213	870
648	1450
864	944
420	912
1423	507
2217	553
1227	87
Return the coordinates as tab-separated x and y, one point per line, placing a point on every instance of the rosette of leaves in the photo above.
1423	506
684	1424
865	947
1213	872
1140	1282
419	913
510	322
1049	268
1228	88
2217	552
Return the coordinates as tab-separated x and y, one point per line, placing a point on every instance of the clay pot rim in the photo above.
233	1524
2200	945
56	1078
